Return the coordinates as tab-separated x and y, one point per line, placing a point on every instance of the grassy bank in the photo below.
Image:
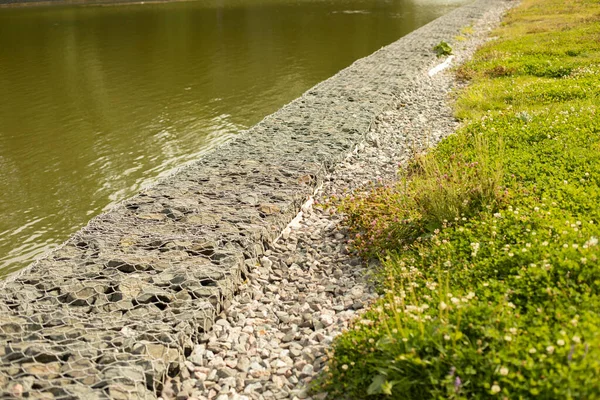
490	276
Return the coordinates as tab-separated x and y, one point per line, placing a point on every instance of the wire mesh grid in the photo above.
115	311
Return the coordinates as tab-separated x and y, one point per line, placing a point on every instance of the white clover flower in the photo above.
508	338
454	300
446	337
510	254
511	305
583	260
575	245
576	339
503	371
448	264
593	241
497	215
443	306
545	243
345	367
470	295
495	389
513	331
532	350
560	342
550	349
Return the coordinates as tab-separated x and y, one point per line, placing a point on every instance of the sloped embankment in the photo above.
122	303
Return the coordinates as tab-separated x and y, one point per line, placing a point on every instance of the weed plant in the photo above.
442	49
436	190
490	277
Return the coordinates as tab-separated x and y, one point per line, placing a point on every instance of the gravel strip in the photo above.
272	341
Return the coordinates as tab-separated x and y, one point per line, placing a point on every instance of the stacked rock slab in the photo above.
121	304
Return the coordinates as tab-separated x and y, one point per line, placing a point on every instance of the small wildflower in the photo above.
443	306
550	349
457	383
470	295
576	339
508	338
532	350
560	342
454	300
513	331
571	351
503	371
446	337
495	389
345	367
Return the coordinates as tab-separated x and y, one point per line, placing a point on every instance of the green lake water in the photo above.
97	102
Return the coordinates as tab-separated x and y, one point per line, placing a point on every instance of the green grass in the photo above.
490	276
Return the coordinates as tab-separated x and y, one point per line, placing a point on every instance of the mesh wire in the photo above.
115	311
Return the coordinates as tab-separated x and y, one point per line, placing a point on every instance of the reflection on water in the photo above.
95	102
